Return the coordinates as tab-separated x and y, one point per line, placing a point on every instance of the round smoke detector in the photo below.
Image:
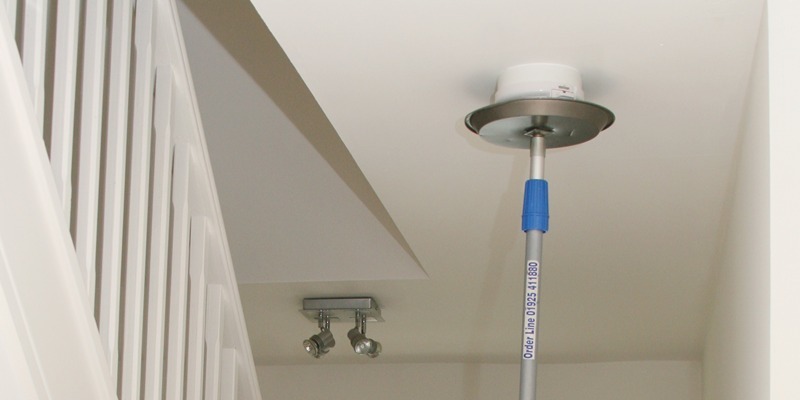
527	81
539	99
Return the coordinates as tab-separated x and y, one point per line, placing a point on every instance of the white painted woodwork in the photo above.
42	292
91	119
223	264
215	319
159	234
137	204
195	350
18	377
126	289
63	102
34	38
228	374
11	14
108	318
179	274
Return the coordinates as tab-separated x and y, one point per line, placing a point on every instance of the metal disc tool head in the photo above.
562	122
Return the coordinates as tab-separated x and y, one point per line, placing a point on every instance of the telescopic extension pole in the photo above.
537	106
535	223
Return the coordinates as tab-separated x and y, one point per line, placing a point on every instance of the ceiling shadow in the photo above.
238	27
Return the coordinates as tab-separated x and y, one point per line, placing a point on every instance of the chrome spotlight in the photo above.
320	344
327	309
359	340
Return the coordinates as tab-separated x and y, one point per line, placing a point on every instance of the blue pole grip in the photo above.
535	210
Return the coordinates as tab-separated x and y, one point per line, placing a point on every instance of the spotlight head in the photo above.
320	344
374	349
362	344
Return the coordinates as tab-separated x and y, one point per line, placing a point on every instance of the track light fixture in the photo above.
325	310
359	340
319	344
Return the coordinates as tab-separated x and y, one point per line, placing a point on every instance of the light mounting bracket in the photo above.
341	309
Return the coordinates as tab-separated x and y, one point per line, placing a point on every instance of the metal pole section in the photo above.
537	157
530	314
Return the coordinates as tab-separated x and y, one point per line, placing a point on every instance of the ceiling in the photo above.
343	168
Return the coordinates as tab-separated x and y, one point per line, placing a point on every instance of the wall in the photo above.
736	354
652	380
751	350
784	175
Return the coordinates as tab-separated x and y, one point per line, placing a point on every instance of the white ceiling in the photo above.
408	206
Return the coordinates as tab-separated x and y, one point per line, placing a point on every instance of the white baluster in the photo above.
214	323
63	116
228	374
197	310
159	235
34	39
108	318
90	135
130	387
11	12
179	274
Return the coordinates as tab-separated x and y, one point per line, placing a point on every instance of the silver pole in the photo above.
537	157
530	314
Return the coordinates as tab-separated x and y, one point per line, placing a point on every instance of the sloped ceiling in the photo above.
344	168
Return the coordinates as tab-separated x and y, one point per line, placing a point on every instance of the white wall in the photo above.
752	349
736	354
652	380
784	143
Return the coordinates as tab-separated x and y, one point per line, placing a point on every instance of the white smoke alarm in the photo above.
539	81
